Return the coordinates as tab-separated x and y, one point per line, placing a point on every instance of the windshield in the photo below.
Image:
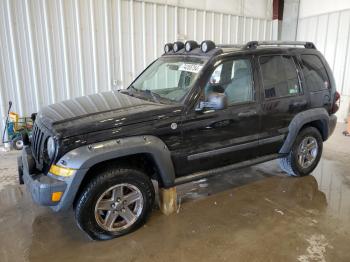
168	78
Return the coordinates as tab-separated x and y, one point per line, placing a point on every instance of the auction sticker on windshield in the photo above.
193	68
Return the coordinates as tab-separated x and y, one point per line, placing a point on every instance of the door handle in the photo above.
247	114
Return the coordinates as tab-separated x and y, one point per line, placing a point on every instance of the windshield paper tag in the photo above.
194	68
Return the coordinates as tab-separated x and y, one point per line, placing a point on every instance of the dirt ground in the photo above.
254	214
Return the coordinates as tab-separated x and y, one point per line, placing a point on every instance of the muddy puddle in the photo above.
255	214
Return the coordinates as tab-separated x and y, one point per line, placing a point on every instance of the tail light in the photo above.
336	103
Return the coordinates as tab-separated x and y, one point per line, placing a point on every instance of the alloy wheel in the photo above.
119	207
307	151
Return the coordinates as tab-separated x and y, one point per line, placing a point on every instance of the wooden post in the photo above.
168	200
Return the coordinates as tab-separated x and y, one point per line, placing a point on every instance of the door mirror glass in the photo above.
215	101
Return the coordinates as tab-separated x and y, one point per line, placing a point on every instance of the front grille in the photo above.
38	145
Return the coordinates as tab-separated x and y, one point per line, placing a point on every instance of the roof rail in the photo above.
230	46
255	44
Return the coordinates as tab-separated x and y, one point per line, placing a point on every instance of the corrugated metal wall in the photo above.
58	49
331	34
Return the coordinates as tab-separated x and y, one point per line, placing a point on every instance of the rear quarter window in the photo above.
315	73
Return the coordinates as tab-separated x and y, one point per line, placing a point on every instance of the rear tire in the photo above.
305	153
114	203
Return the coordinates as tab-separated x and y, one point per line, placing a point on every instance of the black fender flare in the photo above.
300	120
85	157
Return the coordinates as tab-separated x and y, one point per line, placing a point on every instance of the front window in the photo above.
168	79
234	78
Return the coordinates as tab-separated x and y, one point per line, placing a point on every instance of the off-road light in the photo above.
207	45
190	45
178	46
168	47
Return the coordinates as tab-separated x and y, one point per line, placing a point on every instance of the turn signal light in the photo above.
56	196
61	171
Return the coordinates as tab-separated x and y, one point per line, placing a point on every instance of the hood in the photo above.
96	112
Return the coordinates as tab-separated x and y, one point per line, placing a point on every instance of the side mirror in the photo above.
216	101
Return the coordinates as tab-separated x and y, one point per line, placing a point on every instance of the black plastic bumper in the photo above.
39	185
332	124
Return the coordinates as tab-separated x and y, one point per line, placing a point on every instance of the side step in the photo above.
220	170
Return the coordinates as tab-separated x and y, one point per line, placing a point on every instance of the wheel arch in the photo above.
143	161
318	118
123	151
320	125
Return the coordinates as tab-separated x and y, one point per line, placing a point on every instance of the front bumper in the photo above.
39	185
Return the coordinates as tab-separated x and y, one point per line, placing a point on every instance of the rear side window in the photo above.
315	74
279	75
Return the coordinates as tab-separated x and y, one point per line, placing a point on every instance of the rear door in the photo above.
282	98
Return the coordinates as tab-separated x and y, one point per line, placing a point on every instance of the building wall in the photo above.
52	50
317	7
327	24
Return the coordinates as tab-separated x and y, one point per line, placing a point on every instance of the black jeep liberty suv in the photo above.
196	111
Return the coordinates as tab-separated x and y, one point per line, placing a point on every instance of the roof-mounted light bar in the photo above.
255	44
168	47
207	45
190	45
178	46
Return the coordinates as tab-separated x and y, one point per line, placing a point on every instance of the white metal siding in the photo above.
331	34
58	49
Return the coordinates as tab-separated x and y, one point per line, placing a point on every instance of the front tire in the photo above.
305	153
116	202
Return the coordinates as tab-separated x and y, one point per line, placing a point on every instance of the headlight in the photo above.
51	147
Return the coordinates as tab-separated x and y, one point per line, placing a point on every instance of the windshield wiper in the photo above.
128	91
154	95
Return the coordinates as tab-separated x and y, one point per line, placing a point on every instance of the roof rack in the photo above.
240	46
255	44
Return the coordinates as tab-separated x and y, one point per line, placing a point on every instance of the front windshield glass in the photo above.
168	78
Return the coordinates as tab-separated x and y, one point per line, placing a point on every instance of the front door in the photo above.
215	138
